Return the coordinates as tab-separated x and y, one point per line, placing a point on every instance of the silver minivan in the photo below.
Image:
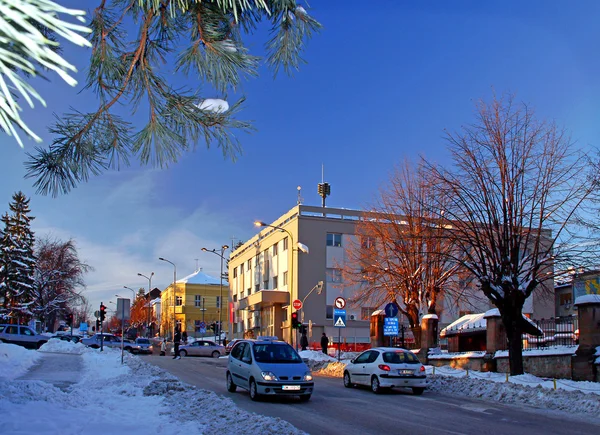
22	335
268	367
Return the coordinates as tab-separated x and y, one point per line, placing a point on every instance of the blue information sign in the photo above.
339	318
391	310
390	326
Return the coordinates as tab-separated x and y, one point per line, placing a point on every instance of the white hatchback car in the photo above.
386	367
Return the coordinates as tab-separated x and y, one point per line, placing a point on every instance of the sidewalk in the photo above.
60	370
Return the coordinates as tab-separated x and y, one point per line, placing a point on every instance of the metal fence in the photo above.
558	331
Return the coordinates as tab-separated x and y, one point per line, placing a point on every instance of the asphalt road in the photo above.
334	409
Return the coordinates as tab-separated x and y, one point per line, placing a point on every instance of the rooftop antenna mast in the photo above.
324	189
196	264
300	199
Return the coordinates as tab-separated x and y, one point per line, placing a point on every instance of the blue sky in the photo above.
382	84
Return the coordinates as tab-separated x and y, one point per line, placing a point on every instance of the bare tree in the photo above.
58	280
399	254
515	185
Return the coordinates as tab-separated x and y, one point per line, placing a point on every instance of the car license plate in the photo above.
291	387
405	372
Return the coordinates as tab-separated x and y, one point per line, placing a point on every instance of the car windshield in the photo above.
400	358
276	353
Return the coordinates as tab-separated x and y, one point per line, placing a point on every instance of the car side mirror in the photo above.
352	361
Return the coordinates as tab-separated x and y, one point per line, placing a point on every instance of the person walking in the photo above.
163	347
324	343
177	341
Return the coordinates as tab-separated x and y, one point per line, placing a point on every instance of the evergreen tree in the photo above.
138	46
17	262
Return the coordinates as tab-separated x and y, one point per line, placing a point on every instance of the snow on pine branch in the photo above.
24	48
214	105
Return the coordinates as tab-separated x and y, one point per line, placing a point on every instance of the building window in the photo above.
329	312
234	298
256	288
367	242
249	265
241	268
235	272
178	301
365	313
197	300
285	278
285	244
565	299
266	284
275	249
274	283
218	301
334	239
242	294
256	260
334	275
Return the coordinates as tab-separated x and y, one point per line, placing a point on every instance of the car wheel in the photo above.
40	344
95	346
417	391
216	354
305	398
375	386
253	391
182	353
231	387
347	380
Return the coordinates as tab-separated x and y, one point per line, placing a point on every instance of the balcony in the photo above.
264	298
179	309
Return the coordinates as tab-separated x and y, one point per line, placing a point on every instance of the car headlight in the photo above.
268	376
308	376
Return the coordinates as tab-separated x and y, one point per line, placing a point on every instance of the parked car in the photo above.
230	345
110	340
21	335
201	348
386	367
143	345
268	367
72	338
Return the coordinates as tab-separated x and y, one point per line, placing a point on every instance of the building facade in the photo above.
270	271
197	299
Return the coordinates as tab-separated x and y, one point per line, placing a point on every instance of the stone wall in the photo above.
458	362
545	366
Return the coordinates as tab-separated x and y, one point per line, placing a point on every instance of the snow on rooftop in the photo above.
469	322
555	350
587	299
200	277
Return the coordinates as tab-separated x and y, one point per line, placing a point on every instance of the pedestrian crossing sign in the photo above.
339	318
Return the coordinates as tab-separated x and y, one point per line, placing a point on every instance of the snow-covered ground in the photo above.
110	398
139	398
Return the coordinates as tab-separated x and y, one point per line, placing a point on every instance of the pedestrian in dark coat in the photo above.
324	343
177	341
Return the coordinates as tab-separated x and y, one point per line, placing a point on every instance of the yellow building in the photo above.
197	299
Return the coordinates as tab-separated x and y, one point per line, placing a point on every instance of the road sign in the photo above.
390	326
297	304
202	330
97	314
202	325
340	303
339	318
391	310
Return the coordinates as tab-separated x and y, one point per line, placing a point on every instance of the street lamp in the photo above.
132	291
148	301
214	251
174	285
301	246
319	288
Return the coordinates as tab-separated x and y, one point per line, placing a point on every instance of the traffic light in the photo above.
102	312
295	322
69	319
97	324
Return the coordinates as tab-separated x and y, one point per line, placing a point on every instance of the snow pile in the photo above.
215	105
598	355
313	355
587	299
135	398
61	346
537	396
15	360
